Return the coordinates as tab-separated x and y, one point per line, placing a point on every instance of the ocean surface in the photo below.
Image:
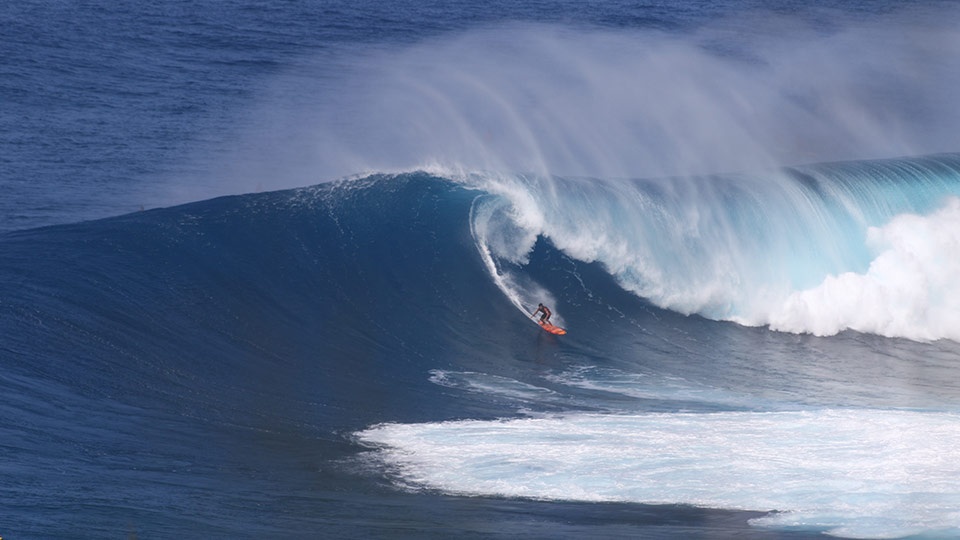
267	269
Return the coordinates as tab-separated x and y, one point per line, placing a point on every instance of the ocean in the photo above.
267	269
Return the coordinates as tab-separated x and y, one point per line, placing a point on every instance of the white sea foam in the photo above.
911	288
855	473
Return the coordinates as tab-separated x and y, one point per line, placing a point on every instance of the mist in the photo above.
739	95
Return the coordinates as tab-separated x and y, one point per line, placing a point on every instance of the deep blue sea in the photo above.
267	269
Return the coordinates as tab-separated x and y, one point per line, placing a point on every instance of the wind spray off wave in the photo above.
617	103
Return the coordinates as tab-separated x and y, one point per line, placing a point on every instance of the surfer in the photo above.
546	313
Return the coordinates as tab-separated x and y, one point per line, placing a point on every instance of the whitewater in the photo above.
853	473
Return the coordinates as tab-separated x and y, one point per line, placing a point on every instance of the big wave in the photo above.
865	246
671	159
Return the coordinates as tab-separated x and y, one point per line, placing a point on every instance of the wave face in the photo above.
258	344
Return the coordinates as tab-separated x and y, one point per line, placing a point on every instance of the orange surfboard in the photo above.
553	329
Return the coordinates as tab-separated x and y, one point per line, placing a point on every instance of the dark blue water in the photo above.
746	214
117	96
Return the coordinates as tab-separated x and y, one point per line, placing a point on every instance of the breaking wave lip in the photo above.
855	473
611	103
863	246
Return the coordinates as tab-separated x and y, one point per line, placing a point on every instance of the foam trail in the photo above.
654	386
855	473
494	385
